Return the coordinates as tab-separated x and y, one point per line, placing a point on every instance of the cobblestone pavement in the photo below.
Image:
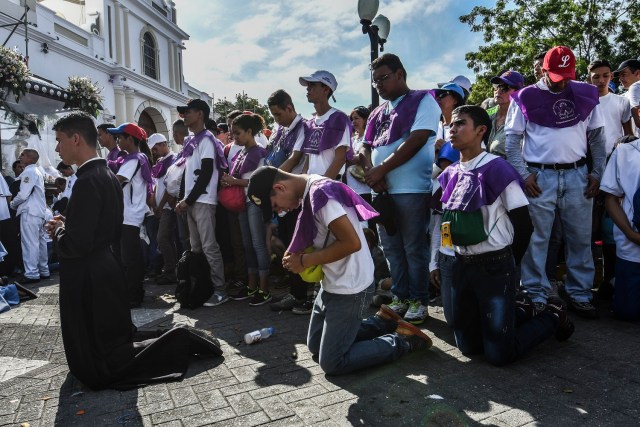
592	379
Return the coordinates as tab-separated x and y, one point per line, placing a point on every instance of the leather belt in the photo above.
559	166
485	257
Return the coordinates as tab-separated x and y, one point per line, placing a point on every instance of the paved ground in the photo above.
592	379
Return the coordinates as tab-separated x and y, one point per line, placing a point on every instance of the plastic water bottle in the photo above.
257	336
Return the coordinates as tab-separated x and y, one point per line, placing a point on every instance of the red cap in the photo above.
560	64
130	129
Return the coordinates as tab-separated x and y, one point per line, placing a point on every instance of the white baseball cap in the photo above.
321	76
154	139
461	81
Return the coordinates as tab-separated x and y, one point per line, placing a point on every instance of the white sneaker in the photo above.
398	305
216	300
417	313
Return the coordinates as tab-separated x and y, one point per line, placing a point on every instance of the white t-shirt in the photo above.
205	150
351	274
616	110
161	188
622	178
319	163
67	190
633	95
548	145
497	224
134	192
357	186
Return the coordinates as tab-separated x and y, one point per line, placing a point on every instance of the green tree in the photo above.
515	31
243	102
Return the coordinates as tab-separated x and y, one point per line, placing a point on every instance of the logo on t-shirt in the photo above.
564	110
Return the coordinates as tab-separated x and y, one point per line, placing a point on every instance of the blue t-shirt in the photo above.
414	176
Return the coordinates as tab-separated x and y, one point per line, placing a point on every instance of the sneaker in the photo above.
583	309
288	302
416	339
417	313
260	298
243	293
216	300
399	306
387	314
539	307
304	308
565	326
525	306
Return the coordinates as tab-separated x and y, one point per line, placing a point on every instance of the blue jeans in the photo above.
254	240
562	190
483	312
445	264
406	251
343	341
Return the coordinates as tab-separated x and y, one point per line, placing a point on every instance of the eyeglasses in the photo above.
442	95
379	81
502	88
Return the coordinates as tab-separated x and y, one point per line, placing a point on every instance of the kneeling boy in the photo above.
486	221
330	222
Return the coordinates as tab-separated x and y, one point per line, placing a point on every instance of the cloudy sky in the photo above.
258	46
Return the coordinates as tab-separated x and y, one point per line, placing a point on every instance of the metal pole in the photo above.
372	30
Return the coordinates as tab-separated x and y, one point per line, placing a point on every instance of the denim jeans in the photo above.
406	251
343	341
562	190
483	312
445	264
254	240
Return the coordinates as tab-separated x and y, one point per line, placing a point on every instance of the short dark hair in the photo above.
104	126
80	123
540	56
62	166
599	63
180	127
14	164
60	180
479	116
211	125
232	115
280	99
390	60
362	111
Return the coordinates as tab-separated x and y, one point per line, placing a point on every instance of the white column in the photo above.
128	95
117	37
121	114
178	68
172	60
127	39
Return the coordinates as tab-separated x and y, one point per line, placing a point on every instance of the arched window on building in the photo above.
149	56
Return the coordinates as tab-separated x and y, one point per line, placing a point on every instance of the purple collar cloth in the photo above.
192	142
145	168
247	161
115	152
161	166
319	194
468	191
327	135
557	110
384	128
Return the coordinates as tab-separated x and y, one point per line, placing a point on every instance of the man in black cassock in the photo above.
97	332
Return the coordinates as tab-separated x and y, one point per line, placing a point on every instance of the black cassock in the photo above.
97	331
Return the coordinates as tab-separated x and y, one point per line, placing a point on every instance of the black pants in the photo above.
132	260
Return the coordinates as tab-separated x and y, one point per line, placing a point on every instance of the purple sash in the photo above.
192	142
385	128
557	110
281	146
245	162
319	194
145	168
468	191
115	153
160	168
322	137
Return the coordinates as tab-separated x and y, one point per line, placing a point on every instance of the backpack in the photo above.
194	282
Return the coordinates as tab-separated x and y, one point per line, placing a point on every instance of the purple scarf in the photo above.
160	168
145	168
115	153
326	136
557	110
192	142
245	162
281	146
319	194
468	191
386	128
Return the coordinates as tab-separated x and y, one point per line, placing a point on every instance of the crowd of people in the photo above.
423	197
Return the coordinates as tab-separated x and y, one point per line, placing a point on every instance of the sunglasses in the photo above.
442	95
503	88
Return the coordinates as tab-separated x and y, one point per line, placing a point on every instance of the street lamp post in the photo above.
378	30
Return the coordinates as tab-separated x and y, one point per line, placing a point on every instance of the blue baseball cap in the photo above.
509	78
451	87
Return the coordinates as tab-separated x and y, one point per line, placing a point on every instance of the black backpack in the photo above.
194	281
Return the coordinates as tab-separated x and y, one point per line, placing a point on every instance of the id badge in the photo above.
445	229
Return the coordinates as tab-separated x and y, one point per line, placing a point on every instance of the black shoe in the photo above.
242	294
304	308
565	326
260	298
26	280
525	306
583	309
